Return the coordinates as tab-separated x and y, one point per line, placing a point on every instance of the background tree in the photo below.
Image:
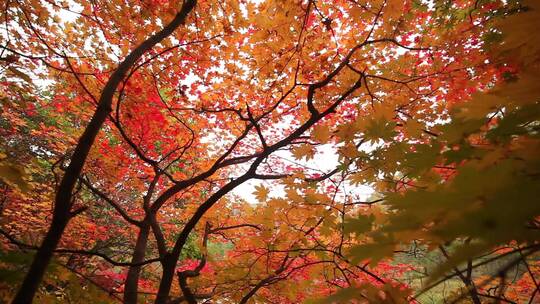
234	96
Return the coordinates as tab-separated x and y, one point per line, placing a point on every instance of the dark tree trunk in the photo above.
168	264
132	279
41	261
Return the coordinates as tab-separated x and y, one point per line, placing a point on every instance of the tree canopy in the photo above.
347	151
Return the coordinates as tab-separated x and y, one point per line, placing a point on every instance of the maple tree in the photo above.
127	126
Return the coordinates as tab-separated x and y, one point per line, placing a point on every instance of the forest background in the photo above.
128	127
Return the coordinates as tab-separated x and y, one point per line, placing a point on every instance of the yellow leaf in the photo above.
413	127
356	12
321	133
293	195
14	175
394	9
261	193
312	197
347	131
357	178
383	111
520	42
349	151
302	151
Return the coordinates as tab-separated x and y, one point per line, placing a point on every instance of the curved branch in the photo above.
25	246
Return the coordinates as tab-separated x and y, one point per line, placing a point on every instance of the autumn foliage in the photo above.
274	151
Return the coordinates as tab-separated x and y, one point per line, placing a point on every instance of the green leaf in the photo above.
359	225
380	129
382	247
423	158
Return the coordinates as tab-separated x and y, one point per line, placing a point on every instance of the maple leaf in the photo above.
261	193
380	129
322	133
414	128
303	151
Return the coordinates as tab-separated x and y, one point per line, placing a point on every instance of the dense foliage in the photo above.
240	151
